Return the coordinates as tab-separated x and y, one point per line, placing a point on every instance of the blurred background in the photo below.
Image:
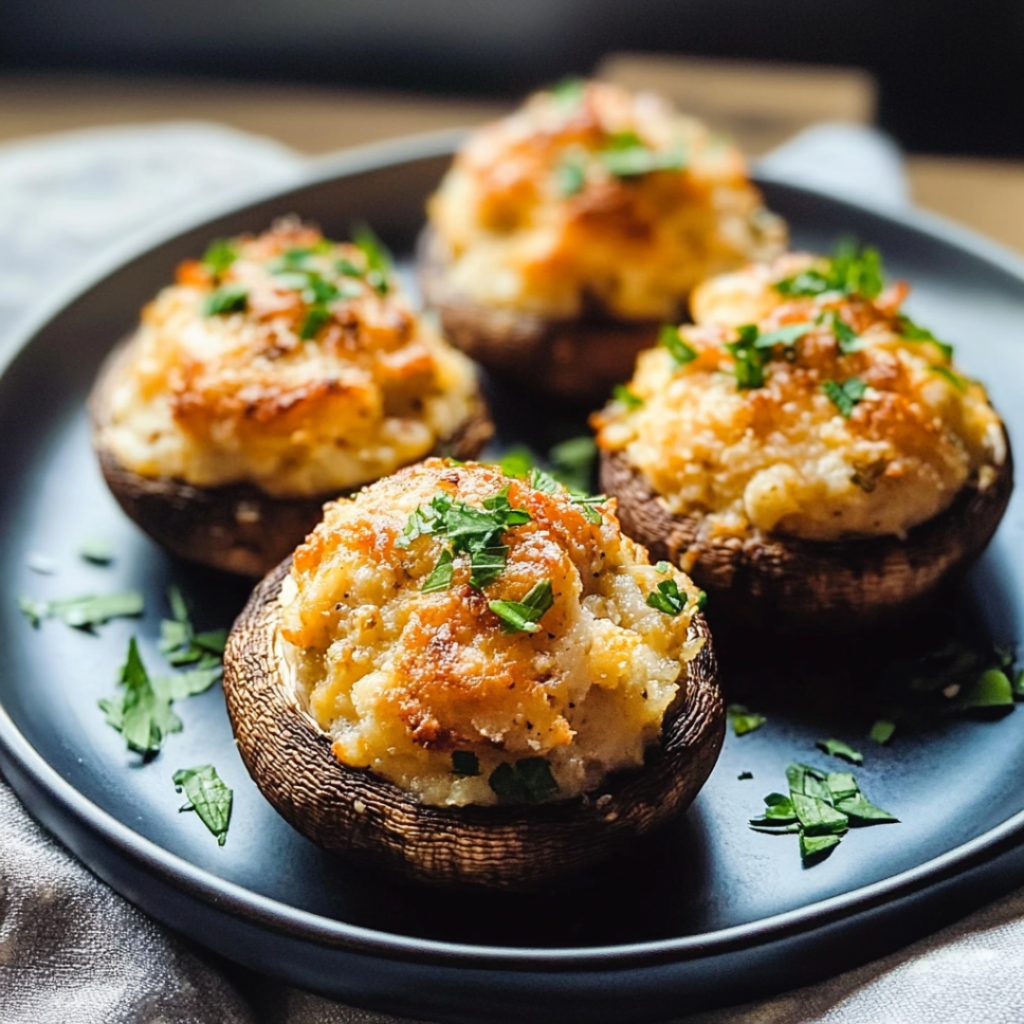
950	75
945	80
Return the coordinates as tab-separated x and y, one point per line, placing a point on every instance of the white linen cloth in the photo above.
74	952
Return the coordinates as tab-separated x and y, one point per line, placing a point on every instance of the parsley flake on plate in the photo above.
141	714
821	807
208	796
836	748
743	719
97	551
83	612
181	644
882	731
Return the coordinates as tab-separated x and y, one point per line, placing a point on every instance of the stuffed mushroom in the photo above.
807	452
277	372
469	678
566	233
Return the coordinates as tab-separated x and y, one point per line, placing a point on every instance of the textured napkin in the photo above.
74	952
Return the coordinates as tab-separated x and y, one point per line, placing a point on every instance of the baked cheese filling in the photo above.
589	195
288	361
803	402
476	638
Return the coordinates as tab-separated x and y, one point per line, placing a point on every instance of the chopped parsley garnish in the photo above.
440	577
667	598
747	357
954	378
570	176
347	268
523	616
882	731
679	350
83	612
96	550
572	463
186	684
541	480
517	461
956	678
316	317
587	505
181	644
839	749
526	781
229	298
821	807
787	336
846	395
743	719
663	567
219	256
621	393
847	338
141	714
470	531
379	262
569	92
486	565
208	796
910	331
465	762
851	270
626	155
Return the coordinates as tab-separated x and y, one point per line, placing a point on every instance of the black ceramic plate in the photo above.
708	914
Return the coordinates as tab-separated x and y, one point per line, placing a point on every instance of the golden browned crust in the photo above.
371	821
779	582
578	359
235	527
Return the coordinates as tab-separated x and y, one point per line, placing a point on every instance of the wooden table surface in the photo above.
761	105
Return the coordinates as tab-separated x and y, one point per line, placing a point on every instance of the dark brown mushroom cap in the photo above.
779	582
236	527
372	821
579	359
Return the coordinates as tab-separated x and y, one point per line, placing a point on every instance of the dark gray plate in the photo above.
710	913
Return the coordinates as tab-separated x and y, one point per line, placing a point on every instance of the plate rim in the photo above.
266	913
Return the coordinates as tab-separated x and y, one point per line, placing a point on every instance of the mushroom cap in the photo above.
370	820
578	359
238	527
778	582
